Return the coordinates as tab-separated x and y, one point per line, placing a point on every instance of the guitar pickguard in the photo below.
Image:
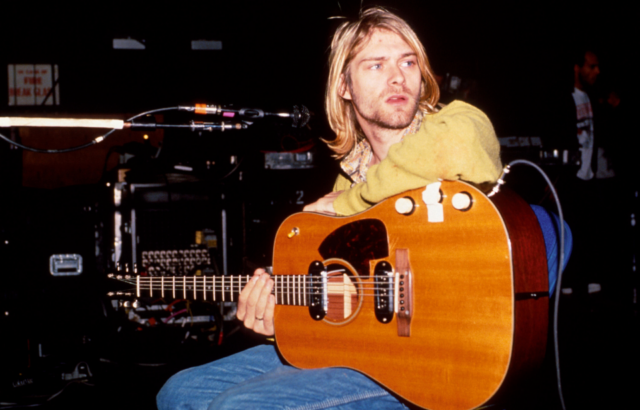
357	242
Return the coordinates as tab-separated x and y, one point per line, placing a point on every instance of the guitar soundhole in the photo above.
344	291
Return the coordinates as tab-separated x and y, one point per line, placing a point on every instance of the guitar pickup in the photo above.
318	298
384	292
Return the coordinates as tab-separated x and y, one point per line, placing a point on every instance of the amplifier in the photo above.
175	230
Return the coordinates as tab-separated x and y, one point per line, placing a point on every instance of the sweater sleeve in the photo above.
458	142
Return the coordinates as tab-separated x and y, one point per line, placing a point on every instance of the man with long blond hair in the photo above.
381	89
381	101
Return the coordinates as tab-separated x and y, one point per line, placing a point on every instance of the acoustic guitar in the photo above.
440	295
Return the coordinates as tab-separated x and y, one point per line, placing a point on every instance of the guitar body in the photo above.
466	270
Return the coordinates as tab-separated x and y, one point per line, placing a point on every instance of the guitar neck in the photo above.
288	289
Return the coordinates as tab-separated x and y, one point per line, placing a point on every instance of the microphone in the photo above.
193	126
299	117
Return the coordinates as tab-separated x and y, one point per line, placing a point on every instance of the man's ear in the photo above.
576	69
343	89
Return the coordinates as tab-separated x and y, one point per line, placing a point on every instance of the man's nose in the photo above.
396	76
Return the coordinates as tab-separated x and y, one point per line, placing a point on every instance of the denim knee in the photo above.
169	396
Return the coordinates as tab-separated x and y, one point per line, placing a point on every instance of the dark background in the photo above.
274	55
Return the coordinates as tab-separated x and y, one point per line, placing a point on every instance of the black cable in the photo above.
234	169
96	140
560	263
4	406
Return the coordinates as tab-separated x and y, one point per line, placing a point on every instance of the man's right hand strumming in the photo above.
256	304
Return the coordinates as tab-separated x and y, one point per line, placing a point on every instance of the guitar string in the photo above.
157	283
149	283
308	290
284	290
235	278
199	284
186	286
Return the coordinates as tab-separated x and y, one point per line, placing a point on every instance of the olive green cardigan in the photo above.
458	142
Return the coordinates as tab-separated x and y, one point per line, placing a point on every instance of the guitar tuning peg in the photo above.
405	205
462	201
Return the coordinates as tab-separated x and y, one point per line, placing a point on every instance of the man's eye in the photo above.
376	66
409	63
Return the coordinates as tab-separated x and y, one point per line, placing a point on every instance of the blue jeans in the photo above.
549	224
257	379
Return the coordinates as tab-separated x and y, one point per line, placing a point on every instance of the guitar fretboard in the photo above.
288	289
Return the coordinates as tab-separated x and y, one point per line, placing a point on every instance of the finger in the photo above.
252	300
242	299
244	295
309	207
269	329
261	305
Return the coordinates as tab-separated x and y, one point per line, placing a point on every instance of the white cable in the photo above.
558	289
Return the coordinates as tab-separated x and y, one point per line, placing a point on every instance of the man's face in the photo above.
590	69
385	82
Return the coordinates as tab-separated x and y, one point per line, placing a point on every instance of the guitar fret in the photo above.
204	287
222	288
184	287
213	291
296	287
231	292
138	286
174	286
161	286
195	286
288	291
304	290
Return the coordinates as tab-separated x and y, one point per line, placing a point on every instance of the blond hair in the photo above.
349	39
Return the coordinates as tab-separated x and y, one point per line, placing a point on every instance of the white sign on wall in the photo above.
31	84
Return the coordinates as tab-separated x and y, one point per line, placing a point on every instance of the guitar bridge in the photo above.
404	292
